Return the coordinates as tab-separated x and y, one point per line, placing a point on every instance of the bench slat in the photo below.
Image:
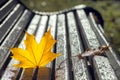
52	25
61	47
113	59
90	36
6	9
74	32
12	38
94	43
103	68
79	66
31	30
27	74
8	23
38	35
34	24
41	28
43	74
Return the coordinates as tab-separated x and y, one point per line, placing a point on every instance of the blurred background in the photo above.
109	9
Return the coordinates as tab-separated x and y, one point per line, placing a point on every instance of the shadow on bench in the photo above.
75	30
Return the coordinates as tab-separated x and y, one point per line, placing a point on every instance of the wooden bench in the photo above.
75	30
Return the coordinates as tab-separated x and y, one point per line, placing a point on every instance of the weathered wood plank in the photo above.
40	32
10	67
113	59
79	66
41	28
31	30
101	29
52	26
29	74
103	68
94	43
9	22
10	41
90	36
34	24
64	29
61	47
6	9
44	73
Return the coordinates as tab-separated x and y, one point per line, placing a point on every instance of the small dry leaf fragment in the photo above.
35	54
93	52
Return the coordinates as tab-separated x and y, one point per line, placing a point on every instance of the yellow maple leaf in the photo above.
35	54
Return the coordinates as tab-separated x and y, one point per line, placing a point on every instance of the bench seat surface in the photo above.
75	32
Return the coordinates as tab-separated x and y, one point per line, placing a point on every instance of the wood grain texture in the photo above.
7	8
52	25
61	47
10	20
74	32
41	28
112	57
79	66
94	43
10	42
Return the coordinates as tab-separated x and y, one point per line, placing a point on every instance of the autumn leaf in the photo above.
35	54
